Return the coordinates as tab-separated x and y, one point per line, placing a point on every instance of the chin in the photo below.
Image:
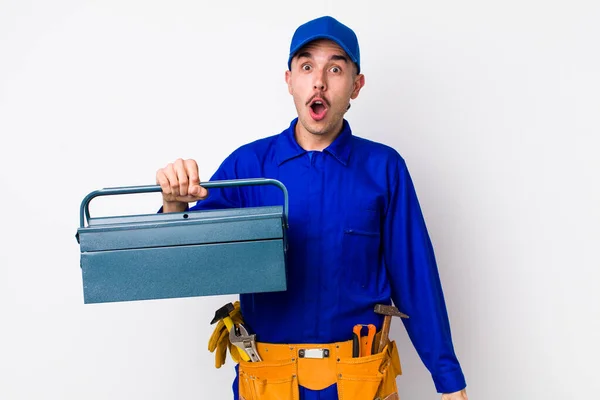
313	127
318	130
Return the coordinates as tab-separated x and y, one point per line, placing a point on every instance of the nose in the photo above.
320	82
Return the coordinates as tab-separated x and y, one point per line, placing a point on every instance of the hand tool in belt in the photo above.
224	313
239	337
356	341
389	312
368	349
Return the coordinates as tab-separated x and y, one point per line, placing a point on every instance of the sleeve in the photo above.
416	286
227	197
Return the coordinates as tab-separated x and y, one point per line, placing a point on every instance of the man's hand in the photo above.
462	395
180	184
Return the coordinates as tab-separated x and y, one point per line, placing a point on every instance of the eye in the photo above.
306	67
336	70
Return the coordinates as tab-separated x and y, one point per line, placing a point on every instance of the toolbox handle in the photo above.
84	212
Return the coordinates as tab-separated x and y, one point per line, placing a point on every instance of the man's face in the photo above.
322	80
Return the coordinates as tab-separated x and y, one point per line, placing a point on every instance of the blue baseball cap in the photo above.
326	28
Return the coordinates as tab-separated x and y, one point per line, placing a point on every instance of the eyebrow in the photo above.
338	57
335	57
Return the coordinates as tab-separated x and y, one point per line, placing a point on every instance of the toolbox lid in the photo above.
182	228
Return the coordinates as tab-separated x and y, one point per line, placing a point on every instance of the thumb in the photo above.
198	191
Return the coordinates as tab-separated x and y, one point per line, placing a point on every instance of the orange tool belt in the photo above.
285	367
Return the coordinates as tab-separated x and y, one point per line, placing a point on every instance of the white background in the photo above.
494	105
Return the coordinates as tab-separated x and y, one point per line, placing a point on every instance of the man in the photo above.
356	238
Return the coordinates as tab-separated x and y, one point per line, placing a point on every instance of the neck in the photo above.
316	141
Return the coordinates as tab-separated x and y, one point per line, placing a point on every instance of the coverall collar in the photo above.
288	147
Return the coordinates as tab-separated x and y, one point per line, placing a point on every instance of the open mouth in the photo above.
318	109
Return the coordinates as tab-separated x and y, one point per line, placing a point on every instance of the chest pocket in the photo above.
360	247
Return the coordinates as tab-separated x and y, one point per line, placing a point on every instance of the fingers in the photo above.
163	178
180	181
194	188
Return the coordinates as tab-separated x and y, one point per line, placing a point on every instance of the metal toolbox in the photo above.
183	254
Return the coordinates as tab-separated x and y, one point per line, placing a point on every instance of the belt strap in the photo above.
278	352
313	373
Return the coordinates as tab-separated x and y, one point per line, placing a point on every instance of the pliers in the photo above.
369	348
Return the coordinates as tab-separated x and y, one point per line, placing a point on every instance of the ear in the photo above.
359	82
288	80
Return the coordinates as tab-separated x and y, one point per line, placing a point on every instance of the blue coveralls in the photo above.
357	237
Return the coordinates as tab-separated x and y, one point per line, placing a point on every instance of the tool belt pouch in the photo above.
268	380
361	378
371	377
